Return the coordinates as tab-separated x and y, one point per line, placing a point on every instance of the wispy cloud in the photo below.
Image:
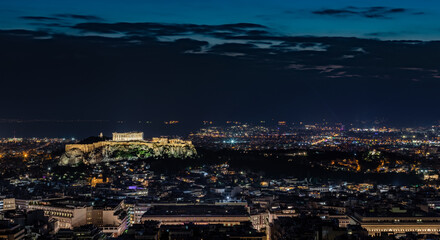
80	17
39	18
378	12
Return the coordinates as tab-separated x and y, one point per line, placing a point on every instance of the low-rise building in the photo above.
11	231
227	215
396	220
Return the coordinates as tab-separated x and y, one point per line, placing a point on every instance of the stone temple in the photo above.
130	136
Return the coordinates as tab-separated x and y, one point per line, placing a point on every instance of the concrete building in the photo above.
11	231
397	221
139	210
68	214
9	204
14	204
83	232
227	215
112	221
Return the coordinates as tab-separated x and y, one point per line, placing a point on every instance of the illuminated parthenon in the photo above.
130	136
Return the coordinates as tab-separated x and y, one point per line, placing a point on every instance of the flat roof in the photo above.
197	210
385	215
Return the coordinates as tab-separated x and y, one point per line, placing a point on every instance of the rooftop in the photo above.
197	210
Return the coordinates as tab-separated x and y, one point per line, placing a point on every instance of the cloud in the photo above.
378	12
39	18
235	49
388	34
21	33
65	18
320	69
171	29
302	46
80	17
213	67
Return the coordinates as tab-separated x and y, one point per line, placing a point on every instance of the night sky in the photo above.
344	61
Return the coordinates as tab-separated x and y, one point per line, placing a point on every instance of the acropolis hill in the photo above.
129	146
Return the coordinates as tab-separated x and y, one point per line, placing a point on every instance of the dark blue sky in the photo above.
419	20
203	60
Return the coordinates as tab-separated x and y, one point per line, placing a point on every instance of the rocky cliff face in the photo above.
109	153
73	157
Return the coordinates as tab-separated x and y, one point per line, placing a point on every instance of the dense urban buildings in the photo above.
244	181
